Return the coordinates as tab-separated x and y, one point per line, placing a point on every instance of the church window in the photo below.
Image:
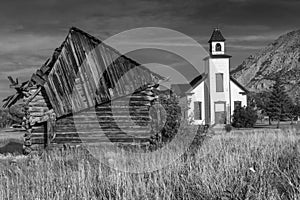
197	110
218	47
219	82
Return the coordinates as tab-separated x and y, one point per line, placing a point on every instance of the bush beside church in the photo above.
244	117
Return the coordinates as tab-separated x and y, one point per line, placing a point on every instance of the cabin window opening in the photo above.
197	110
218	47
219	82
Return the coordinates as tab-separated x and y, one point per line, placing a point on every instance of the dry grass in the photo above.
232	166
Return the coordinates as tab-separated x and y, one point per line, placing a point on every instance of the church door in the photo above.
220	112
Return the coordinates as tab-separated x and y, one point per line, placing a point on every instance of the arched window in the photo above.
218	47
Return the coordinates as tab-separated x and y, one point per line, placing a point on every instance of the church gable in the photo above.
183	89
243	89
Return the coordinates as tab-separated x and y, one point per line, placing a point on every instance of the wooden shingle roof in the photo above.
216	36
84	71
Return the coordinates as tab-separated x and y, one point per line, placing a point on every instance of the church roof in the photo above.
217	36
182	89
239	84
217	56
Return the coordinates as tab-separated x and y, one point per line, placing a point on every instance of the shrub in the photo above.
166	118
17	111
6	119
244	117
173	116
228	128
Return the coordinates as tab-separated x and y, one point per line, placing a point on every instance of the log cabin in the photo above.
86	91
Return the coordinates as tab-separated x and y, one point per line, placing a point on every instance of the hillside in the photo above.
280	57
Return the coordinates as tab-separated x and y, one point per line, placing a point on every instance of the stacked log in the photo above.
37	112
125	120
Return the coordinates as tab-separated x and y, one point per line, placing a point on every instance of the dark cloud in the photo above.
32	29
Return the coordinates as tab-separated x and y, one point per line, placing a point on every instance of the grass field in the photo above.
11	141
261	165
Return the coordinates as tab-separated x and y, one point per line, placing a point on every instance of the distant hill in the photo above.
280	57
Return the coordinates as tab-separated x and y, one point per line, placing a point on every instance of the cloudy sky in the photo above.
32	29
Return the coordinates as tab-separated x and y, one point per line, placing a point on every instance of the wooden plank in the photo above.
33	96
90	140
50	96
38	104
101	67
52	93
85	88
38	109
60	85
91	78
133	128
38	80
89	83
80	94
105	129
112	71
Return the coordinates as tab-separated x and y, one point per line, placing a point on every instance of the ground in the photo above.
11	141
262	164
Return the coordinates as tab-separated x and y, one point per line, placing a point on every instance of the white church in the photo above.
212	96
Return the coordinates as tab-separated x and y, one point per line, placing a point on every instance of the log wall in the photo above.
38	111
124	120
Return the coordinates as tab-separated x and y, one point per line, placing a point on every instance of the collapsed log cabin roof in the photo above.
13	99
84	72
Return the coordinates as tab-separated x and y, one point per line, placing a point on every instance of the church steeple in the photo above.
217	43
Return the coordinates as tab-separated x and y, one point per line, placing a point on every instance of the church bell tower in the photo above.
217	69
217	43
